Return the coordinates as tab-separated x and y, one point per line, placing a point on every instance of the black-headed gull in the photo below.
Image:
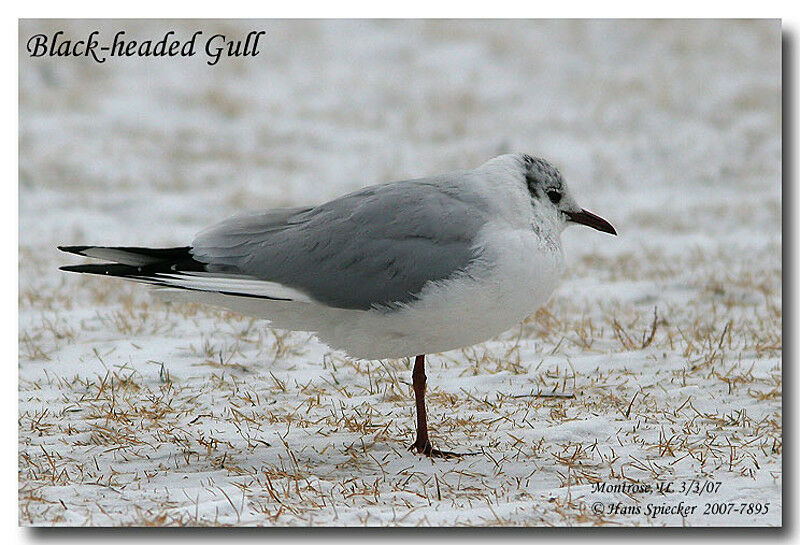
396	270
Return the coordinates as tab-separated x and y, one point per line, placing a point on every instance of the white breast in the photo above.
516	274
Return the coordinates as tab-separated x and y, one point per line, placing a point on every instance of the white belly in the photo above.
517	274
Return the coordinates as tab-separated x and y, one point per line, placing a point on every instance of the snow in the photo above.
137	412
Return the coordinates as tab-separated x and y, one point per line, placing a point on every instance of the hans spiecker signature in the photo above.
94	47
679	498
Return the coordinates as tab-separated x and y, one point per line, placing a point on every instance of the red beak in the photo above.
584	217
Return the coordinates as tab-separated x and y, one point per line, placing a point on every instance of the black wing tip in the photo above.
177	252
91	269
106	269
74	249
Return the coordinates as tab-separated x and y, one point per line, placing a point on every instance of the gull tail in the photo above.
176	269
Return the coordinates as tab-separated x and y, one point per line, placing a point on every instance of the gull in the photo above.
397	270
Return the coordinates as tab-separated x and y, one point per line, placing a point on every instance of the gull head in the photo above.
549	191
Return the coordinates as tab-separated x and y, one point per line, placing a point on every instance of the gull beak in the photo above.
584	217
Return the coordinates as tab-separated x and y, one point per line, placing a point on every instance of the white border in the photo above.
147	8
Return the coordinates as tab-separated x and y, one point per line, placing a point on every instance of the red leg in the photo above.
423	444
419	380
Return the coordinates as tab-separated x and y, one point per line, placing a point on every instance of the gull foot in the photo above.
427	449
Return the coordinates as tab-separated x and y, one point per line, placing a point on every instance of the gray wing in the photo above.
375	247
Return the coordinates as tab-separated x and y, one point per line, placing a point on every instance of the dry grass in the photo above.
683	387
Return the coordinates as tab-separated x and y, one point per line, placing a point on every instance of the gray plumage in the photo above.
375	247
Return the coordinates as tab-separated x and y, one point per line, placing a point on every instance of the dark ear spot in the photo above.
554	196
532	188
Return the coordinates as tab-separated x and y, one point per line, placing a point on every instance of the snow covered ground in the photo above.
657	363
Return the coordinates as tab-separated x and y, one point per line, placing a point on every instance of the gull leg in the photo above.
423	444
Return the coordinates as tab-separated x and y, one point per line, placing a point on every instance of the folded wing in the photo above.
376	247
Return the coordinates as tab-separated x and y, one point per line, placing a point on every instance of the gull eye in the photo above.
554	196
